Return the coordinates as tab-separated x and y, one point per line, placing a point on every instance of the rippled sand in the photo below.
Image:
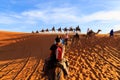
22	56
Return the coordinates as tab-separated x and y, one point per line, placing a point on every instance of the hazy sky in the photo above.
28	15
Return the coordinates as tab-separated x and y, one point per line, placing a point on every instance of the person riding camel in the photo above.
66	39
56	57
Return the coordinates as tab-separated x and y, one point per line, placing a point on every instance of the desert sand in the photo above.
22	56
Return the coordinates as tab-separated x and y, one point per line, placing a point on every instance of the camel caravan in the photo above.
70	29
77	29
75	32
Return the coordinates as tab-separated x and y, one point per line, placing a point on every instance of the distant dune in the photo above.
117	32
22	56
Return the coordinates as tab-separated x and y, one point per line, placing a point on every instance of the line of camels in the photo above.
59	29
90	33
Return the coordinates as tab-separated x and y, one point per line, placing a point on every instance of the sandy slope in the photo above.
22	55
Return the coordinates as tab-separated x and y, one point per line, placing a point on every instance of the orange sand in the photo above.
22	56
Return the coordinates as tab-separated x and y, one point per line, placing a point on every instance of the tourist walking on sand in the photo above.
111	33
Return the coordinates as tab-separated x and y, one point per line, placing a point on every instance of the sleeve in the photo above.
53	47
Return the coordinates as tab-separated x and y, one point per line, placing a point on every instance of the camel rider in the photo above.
62	39
66	38
56	56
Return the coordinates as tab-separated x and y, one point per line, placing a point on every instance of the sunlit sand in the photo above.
22	56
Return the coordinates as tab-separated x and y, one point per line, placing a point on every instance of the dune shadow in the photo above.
27	46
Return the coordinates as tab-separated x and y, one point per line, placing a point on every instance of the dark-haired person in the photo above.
57	57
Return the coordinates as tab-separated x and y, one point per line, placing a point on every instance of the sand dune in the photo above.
22	56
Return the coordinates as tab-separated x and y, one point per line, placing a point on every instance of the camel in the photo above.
53	71
59	29
55	74
42	30
71	29
53	29
65	29
78	28
92	33
37	31
75	38
47	30
33	32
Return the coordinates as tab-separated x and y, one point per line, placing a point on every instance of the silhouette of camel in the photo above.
78	29
59	29
37	31
47	30
53	29
65	29
71	29
42	30
75	38
33	32
92	33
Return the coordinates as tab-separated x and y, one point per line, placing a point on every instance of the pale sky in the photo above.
28	15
